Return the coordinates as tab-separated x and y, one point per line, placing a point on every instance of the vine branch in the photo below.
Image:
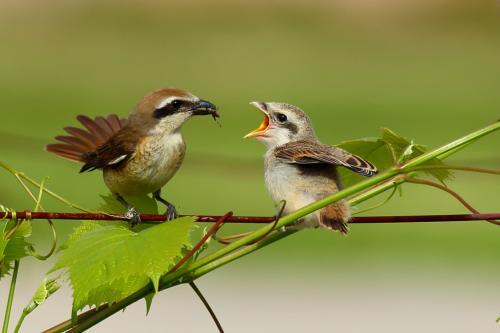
10	298
207	305
159	218
191	267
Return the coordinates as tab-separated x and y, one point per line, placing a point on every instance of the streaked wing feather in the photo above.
310	152
114	152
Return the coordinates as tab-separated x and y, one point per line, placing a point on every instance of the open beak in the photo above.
261	130
203	108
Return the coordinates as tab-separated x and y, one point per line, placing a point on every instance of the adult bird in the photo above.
140	154
300	169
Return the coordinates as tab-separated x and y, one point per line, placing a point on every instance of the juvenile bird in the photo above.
138	155
300	169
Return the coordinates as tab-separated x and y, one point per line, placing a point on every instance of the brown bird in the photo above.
300	169
138	155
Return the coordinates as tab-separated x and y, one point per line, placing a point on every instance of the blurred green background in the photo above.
426	69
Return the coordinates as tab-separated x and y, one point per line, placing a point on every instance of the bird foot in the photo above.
171	212
133	217
282	229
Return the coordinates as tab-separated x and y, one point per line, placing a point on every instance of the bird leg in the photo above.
171	212
279	215
132	214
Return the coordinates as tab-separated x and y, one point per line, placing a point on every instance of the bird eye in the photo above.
176	103
168	109
281	117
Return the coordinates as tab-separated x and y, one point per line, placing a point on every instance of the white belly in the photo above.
284	182
155	163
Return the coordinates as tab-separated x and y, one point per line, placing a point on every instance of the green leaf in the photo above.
4	265
404	150
84	227
386	151
112	206
396	143
373	149
143	203
44	290
149	302
108	263
16	246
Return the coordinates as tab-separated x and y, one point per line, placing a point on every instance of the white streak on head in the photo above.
167	100
164	102
173	122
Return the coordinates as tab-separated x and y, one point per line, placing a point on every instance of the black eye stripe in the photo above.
169	109
291	127
163	112
177	103
283	122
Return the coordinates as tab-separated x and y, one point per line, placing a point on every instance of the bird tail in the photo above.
81	141
335	217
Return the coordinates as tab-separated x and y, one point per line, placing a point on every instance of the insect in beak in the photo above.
203	107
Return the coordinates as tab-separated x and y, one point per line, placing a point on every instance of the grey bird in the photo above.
300	169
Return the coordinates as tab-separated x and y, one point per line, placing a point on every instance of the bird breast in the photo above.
299	185
155	162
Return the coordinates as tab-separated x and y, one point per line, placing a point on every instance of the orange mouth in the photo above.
261	130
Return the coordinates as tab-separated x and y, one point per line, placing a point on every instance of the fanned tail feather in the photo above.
82	141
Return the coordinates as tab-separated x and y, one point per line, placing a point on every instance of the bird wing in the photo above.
114	152
311	152
83	141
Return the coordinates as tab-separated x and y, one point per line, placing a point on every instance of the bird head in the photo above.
167	109
282	123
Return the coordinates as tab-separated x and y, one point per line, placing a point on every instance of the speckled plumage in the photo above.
156	160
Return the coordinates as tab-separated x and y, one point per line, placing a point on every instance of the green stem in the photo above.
452	147
380	204
240	253
8	308
207	306
459	168
166	280
232	251
20	321
376	190
170	281
37	185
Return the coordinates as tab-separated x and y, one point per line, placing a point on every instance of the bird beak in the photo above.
203	108
261	130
